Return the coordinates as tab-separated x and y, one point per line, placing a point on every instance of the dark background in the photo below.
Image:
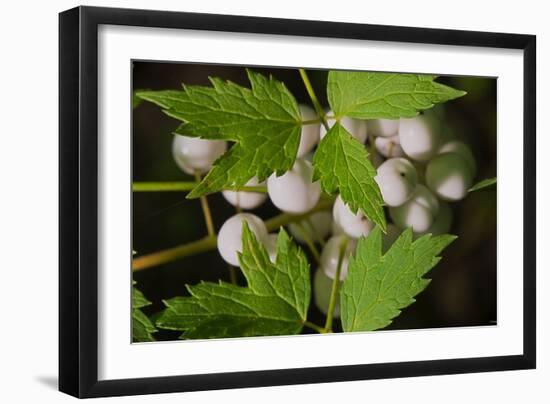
463	287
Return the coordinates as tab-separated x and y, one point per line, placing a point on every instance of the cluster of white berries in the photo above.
420	169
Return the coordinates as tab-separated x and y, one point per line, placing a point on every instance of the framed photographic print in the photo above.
252	201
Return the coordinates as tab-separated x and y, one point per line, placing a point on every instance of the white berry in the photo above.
230	235
294	192
353	224
397	180
418	212
383	127
330	254
310	133
193	154
322	289
419	137
318	226
449	176
389	146
356	127
454	146
270	244
246	200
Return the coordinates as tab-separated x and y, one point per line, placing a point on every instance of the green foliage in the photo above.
378	286
341	164
264	121
275	302
264	124
366	95
142	327
488	182
136	100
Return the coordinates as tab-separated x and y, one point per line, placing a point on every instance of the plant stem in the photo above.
314	99
171	254
335	285
208	243
186	186
309	242
206	210
232	275
315	327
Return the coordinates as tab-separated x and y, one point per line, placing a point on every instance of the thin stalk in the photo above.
390	149
335	285
315	327
208	243
316	104
238	207
171	254
232	275
186	186
206	210
309	242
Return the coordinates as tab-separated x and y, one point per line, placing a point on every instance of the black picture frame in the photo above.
78	201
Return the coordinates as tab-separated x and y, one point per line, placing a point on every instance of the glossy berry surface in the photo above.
454	146
419	137
246	200
397	179
418	212
294	191
354	225
309	136
193	154
449	176
330	254
383	127
270	244
230	235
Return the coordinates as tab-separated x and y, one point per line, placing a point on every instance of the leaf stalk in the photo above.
316	104
335	285
175	186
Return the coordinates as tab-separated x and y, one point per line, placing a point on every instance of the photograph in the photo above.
281	201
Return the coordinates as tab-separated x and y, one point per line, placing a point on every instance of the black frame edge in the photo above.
78	204
69	79
529	200
218	381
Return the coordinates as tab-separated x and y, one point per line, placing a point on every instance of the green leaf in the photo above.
378	286
264	122
142	327
366	95
274	303
136	100
138	299
341	164
483	184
